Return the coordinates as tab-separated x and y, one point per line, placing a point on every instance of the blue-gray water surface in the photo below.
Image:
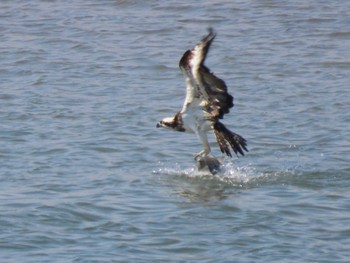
86	176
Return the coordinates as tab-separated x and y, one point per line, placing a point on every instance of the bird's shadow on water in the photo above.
202	186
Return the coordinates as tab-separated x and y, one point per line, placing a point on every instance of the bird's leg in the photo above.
204	139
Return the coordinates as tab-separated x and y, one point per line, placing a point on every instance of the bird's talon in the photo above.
200	155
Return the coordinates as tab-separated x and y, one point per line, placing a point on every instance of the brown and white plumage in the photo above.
207	100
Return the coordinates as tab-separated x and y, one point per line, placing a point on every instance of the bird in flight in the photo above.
207	101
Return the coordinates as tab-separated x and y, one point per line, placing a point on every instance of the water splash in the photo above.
230	175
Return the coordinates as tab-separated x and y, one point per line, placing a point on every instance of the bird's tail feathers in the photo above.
227	139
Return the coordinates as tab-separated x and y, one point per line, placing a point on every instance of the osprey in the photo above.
206	102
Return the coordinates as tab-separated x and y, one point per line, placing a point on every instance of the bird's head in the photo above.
173	123
168	123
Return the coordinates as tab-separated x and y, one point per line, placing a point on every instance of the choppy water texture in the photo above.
86	176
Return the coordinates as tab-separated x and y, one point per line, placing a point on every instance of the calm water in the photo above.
86	176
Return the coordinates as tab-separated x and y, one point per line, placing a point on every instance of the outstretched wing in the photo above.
201	83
